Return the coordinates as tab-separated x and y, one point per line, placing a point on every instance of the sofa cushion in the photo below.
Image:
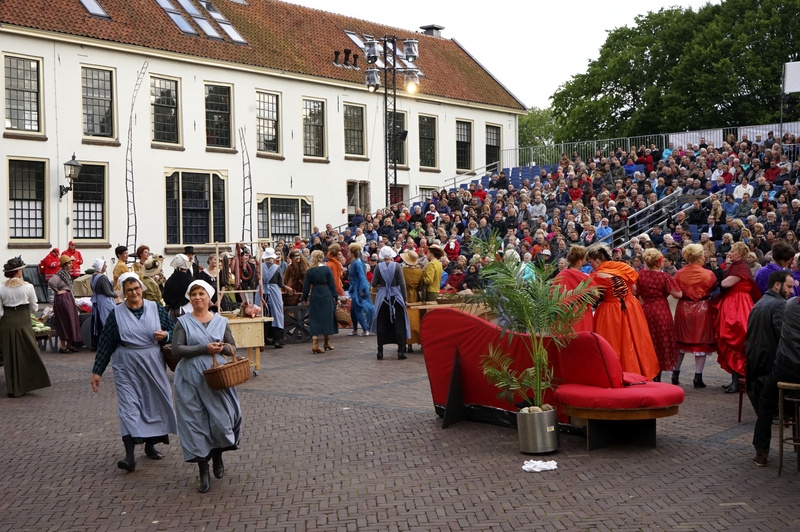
647	395
590	360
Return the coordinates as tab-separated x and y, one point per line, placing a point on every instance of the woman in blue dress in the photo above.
361	308
209	421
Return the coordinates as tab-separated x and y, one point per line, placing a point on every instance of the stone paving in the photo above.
343	442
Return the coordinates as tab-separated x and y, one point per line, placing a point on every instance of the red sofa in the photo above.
590	383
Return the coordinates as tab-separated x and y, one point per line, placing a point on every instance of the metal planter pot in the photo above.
538	431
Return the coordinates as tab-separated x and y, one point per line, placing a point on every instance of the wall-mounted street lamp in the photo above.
372	79
72	169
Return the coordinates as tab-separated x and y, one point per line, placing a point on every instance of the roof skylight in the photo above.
176	17
93	7
226	26
199	19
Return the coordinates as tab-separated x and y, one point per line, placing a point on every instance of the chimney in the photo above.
355	61
336	57
433	30
346	57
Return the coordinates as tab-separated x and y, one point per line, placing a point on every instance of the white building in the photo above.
219	83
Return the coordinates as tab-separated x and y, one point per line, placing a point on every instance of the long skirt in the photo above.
388	331
209	421
68	324
22	365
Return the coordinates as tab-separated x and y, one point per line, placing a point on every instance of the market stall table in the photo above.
249	333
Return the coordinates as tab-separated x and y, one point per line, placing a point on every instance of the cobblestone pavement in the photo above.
341	441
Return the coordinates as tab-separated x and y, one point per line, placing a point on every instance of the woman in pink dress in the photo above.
571	277
654	287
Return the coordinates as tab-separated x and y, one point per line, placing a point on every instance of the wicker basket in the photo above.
291	300
233	373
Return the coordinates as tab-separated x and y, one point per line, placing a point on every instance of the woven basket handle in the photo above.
232	350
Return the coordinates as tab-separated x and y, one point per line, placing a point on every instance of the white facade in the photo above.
322	181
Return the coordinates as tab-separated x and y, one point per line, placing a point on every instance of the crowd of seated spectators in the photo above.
752	188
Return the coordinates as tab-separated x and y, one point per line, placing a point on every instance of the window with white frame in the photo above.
357	197
165	110
97	93
195	207
463	145
492	147
218	116
88	203
22	94
284	217
267	125
427	141
313	128
354	130
26	199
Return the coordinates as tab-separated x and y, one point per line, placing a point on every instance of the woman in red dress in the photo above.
570	278
739	294
694	319
619	317
654	286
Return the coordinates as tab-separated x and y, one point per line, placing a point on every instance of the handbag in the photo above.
233	373
170	359
341	315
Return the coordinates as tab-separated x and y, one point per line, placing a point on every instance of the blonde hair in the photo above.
740	248
651	258
693	254
355	249
316	258
575	255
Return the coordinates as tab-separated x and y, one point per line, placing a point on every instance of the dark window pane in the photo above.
267	123
26	199
219	209
427	141
218	116
353	130
173	210
22	93
88	194
463	145
164	95
313	128
98	109
397	152
492	147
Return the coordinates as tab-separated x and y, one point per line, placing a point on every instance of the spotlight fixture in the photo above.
372	78
411	49
371	51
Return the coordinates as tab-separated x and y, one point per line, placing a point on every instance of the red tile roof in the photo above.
280	36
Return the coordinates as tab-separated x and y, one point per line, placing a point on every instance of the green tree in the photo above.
537	127
678	69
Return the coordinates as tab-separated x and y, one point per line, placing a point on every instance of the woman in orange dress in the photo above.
570	278
619	317
739	294
334	262
694	319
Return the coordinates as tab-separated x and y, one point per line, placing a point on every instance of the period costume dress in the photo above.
22	365
570	278
209	421
620	320
391	321
65	312
143	394
272	283
733	309
319	289
431	280
413	279
654	287
361	307
103	297
694	319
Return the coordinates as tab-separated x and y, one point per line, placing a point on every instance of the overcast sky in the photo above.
532	47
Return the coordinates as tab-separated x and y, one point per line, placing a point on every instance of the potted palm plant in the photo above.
527	302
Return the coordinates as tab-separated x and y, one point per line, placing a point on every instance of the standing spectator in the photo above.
320	287
209	421
121	266
77	260
782	255
739	293
391	320
103	297
132	334
764	332
22	365
654	286
189	252
64	309
50	265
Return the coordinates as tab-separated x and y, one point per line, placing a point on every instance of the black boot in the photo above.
657	378
151	452
129	463
676	377
698	381
734	387
380	352
217	465
401	355
205	477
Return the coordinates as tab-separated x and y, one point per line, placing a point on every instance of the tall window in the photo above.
98	102
88	195
26	199
22	94
354	130
218	116
164	98
313	128
357	198
492	147
267	122
427	141
397	150
195	208
284	218
463	145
